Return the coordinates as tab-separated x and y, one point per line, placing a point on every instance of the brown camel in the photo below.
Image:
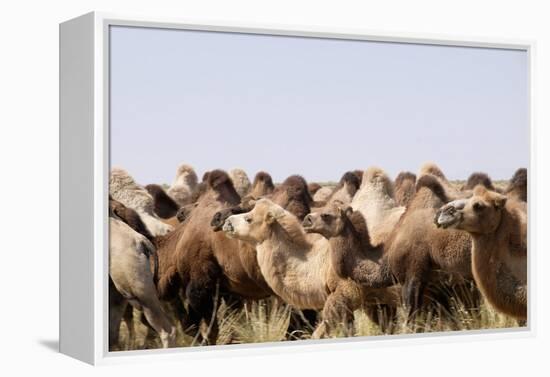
345	190
164	206
478	178
262	185
297	265
313	187
517	188
498	228
405	187
353	256
419	252
205	265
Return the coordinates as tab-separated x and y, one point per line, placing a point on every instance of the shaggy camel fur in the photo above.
184	185
405	187
124	189
352	254
130	273
297	265
517	188
240	181
375	202
417	250
313	187
323	194
498	228
205	265
478	178
345	190
263	185
354	257
164	206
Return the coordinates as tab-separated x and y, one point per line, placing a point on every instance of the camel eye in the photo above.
478	206
326	217
248	219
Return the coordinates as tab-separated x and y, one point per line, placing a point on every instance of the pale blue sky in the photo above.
315	107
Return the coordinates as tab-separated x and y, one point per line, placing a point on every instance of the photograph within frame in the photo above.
137	207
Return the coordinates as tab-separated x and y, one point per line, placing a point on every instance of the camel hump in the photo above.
262	176
519	180
479	178
218	178
431	168
434	185
405	176
351	179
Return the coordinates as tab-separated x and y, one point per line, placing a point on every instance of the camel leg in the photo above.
159	321
412	292
203	303
383	315
130	325
300	320
336	311
117	308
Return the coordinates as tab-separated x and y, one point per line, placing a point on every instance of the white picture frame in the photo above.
84	170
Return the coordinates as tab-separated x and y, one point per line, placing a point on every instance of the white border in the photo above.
101	161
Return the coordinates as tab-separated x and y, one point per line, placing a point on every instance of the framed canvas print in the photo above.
245	189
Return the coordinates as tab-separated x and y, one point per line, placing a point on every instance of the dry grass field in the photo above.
267	321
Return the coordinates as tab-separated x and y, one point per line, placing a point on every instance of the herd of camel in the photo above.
368	244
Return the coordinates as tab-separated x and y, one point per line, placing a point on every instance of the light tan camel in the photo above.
124	189
131	276
184	185
297	265
498	228
375	201
240	181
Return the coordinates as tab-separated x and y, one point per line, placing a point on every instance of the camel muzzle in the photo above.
228	227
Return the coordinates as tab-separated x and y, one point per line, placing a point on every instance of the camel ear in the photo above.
500	201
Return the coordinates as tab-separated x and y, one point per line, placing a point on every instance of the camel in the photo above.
205	265
405	187
263	185
353	256
240	181
323	194
345	190
498	228
297	265
164	206
184	185
517	187
124	189
313	187
418	251
478	178
375	201
131	277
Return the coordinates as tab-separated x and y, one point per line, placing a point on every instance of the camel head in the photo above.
219	217
329	221
481	213
254	226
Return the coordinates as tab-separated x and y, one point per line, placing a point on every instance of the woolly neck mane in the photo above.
288	225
